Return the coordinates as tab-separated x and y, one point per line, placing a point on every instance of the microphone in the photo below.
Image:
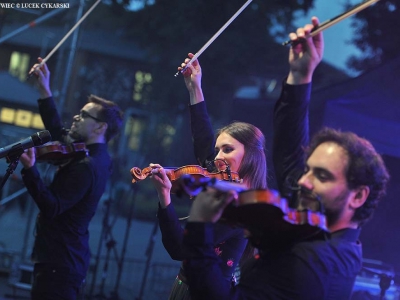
37	139
210	165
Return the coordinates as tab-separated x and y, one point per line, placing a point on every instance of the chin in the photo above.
74	136
310	204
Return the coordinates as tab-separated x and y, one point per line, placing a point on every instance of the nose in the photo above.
77	117
305	181
220	155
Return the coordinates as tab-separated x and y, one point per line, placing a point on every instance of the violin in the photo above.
176	173
264	213
57	153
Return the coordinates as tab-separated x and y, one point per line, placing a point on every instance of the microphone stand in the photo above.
385	281
13	158
149	255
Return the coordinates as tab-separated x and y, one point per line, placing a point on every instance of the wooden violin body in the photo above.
57	153
266	215
174	174
255	205
269	218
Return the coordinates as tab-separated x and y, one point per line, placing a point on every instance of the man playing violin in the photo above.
343	176
61	249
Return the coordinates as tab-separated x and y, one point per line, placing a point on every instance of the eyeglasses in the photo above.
84	114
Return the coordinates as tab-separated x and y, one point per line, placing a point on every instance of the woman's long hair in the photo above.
253	169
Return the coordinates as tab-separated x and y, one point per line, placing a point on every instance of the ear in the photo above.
101	130
360	195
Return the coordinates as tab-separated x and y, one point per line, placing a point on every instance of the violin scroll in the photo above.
139	174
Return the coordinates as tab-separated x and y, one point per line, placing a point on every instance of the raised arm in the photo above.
203	139
202	132
47	108
291	127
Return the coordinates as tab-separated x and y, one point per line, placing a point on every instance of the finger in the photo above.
300	33
213	191
318	38
292	36
315	21
310	43
230	197
192	68
32	151
35	69
154	168
308	28
45	69
163	174
235	197
246	233
195	62
155	165
183	66
41	64
219	200
188	71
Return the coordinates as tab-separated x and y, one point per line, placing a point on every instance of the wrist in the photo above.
45	94
28	166
165	199
196	95
297	78
197	219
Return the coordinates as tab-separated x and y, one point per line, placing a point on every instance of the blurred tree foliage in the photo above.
169	29
377	35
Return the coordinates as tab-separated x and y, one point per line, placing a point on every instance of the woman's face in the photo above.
230	150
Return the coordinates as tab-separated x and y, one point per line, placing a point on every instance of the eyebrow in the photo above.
320	169
224	145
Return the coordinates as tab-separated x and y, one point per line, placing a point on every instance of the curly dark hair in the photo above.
253	168
365	167
109	113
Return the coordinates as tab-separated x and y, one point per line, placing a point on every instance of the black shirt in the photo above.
68	204
317	268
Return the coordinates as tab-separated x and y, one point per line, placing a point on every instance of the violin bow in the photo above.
202	49
64	38
328	23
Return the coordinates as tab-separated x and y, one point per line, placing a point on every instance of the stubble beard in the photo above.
73	136
332	209
336	207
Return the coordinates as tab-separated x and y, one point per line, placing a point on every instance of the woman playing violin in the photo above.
239	147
